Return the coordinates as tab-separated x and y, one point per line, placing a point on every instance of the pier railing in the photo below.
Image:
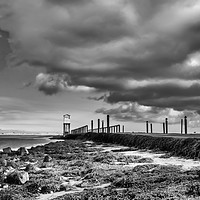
101	128
111	129
82	129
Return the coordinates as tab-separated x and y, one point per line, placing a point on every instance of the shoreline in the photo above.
78	169
176	146
27	141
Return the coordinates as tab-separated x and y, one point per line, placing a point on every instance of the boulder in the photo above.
64	186
7	150
31	167
3	162
22	151
18	177
47	158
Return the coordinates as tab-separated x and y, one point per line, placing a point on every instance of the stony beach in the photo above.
77	169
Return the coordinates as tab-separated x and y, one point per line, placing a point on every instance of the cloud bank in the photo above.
52	84
146	53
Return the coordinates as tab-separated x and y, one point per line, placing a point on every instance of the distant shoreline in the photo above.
28	141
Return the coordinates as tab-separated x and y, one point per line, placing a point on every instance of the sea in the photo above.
28	141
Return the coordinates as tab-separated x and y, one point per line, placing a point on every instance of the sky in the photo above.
135	60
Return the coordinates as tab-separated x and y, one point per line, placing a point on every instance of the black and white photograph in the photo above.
99	99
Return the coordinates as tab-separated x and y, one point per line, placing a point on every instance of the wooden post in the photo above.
181	126
92	125
102	126
98	130
64	129
185	124
108	124
119	128
163	128
147	127
123	129
166	125
151	128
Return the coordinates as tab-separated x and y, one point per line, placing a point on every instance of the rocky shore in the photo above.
77	170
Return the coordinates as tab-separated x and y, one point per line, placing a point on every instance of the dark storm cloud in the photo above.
155	102
138	113
122	47
90	32
51	84
155	91
134	39
161	95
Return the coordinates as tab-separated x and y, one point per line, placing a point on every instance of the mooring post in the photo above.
185	124
151	128
181	126
102	126
108	124
163	127
98	130
92	125
166	125
147	127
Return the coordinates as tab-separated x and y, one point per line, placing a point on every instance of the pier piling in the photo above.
185	119
108	124
166	125
147	127
92	125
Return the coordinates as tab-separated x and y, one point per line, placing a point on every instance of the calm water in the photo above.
16	141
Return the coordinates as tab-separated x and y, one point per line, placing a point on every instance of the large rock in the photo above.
3	162
18	177
22	151
47	158
7	150
31	167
